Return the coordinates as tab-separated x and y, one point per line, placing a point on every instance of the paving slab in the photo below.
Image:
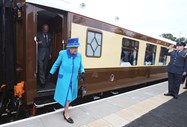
172	113
100	109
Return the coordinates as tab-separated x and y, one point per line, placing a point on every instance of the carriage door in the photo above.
57	28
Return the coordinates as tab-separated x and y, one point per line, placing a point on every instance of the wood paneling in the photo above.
99	80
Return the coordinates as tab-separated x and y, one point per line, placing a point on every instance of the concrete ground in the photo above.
145	107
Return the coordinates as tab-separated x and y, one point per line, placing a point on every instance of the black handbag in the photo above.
82	91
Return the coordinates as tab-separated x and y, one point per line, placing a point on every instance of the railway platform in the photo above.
144	107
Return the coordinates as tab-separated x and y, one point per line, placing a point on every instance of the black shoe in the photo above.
185	87
168	94
69	120
175	96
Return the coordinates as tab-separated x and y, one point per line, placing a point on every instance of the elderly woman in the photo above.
70	63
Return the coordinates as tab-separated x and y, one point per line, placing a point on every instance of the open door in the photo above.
57	28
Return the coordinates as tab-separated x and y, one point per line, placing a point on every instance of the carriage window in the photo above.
94	44
162	58
129	52
150	54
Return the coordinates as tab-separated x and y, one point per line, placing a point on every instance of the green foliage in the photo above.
171	37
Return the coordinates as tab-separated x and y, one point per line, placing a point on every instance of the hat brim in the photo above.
71	46
181	45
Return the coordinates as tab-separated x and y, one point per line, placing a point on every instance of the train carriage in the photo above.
114	57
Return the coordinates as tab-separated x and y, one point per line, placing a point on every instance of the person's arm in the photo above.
81	69
57	63
39	40
166	52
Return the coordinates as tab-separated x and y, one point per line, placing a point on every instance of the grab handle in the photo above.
36	71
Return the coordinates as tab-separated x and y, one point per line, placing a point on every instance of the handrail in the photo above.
36	71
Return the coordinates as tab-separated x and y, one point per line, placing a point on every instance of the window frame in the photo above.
154	54
165	56
94	31
131	45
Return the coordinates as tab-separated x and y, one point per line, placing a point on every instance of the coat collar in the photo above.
70	55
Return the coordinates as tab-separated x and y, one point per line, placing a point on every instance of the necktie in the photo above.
45	37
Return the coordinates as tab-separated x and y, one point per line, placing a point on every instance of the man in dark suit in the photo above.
44	53
177	67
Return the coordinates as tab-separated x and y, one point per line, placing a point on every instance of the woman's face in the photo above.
73	50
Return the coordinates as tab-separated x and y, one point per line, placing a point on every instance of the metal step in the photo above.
45	93
42	102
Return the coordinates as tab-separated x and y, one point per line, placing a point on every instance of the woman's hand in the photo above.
82	77
49	77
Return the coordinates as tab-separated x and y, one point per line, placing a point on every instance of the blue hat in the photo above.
73	42
180	44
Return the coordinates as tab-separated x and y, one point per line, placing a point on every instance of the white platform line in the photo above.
72	107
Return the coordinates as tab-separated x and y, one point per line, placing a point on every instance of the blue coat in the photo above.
178	62
67	82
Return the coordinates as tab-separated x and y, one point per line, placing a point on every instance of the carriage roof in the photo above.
68	6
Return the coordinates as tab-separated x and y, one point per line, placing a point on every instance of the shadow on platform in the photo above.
170	114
